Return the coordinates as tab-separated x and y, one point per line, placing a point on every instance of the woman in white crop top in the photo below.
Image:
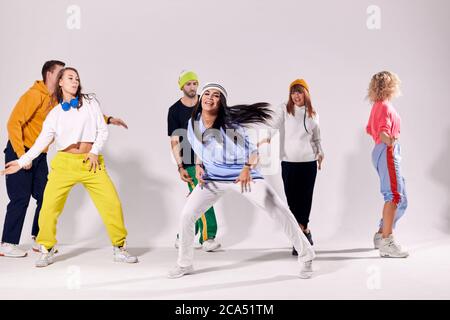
79	129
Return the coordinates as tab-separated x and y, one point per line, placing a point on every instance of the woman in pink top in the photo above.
384	127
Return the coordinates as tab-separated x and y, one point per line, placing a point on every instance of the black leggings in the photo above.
299	179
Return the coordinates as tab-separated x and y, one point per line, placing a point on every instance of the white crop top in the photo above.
85	124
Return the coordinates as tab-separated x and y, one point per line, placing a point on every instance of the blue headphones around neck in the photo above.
67	105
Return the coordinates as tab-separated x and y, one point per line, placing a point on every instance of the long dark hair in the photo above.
229	117
58	95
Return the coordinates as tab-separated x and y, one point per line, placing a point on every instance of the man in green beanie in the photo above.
177	122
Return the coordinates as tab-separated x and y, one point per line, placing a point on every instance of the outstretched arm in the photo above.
115	121
276	123
43	140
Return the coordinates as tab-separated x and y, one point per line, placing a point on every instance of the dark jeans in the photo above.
20	187
299	179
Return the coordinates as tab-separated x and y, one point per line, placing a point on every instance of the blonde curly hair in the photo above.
384	85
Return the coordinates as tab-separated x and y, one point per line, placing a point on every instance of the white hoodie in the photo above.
297	144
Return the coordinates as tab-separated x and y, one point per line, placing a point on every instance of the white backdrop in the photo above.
131	53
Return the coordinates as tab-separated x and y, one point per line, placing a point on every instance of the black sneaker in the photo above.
309	237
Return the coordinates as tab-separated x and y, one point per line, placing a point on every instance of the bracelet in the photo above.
108	121
180	166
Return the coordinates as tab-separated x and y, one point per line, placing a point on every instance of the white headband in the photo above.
215	86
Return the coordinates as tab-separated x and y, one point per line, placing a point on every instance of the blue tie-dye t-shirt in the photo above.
223	153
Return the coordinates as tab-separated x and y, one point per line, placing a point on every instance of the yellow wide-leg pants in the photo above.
68	169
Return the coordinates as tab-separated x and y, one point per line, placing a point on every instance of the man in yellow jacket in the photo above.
24	126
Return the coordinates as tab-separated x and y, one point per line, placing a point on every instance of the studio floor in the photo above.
342	271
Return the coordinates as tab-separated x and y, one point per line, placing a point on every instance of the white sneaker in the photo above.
36	247
377	240
389	249
46	258
210	245
11	250
306	270
122	255
197	244
178	272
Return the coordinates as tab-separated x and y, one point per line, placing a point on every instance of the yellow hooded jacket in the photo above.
27	117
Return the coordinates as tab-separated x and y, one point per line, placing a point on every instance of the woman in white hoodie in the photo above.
301	151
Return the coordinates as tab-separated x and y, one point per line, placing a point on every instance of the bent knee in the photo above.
188	216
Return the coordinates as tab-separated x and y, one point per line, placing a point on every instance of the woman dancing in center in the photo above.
226	161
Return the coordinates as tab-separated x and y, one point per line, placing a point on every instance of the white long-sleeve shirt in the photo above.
85	124
297	144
